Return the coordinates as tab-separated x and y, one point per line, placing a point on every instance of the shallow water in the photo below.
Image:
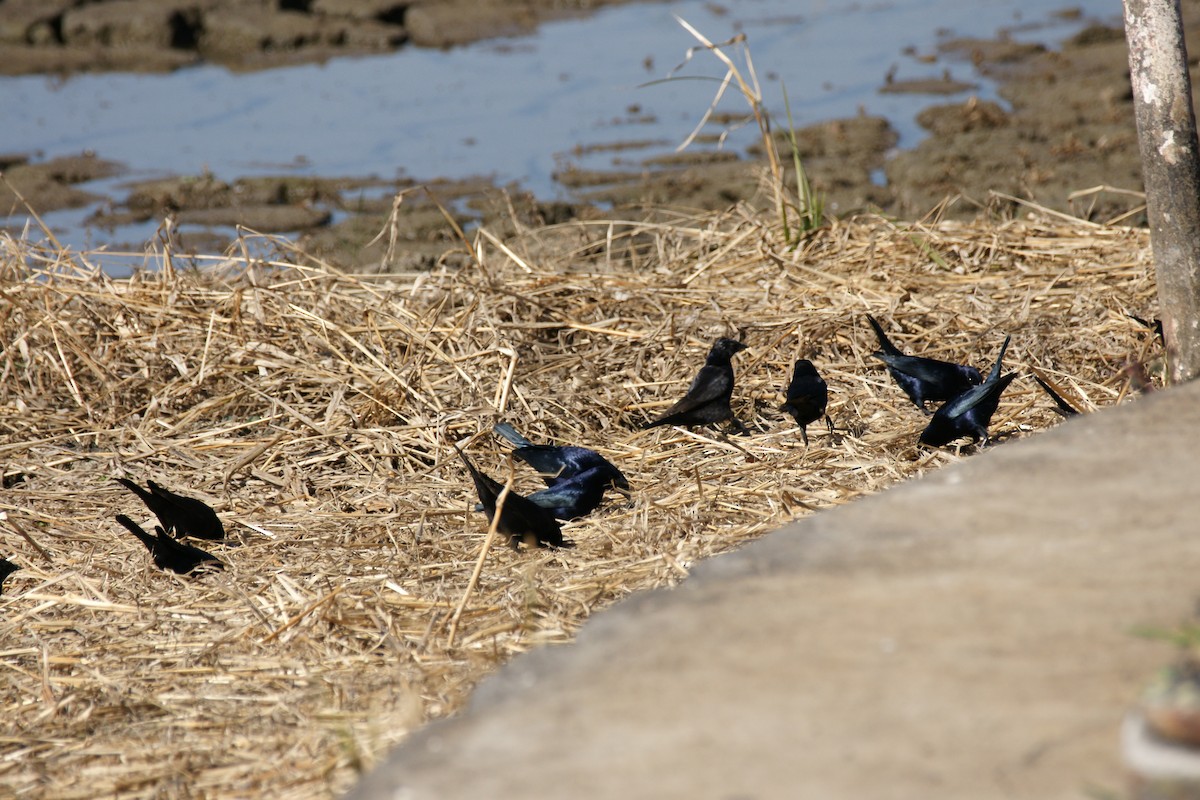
511	108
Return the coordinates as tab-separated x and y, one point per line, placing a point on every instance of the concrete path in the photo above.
968	635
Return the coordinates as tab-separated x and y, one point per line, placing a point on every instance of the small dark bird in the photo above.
167	553
971	412
923	379
807	397
574	497
557	463
707	399
182	516
1155	325
6	568
520	518
583	474
577	496
1062	406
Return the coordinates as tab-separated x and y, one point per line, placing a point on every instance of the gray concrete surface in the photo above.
967	635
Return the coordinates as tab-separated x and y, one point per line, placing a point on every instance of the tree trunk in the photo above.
1162	99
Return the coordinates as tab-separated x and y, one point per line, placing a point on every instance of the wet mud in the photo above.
1066	140
66	36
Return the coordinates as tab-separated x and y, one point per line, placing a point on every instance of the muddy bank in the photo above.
51	185
64	36
1069	141
1065	140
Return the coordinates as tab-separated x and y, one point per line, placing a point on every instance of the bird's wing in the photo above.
548	460
181	558
200	556
187	515
976	395
927	370
179	502
561	498
579	495
570	461
709	384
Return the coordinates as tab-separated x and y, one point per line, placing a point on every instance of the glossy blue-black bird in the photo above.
708	396
6	568
1061	405
520	519
167	553
807	397
577	477
971	412
923	379
177	513
576	496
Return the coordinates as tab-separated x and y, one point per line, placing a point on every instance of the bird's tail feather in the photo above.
510	433
885	344
1060	401
133	487
995	374
137	531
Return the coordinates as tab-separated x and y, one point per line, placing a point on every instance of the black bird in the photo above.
970	413
583	473
577	496
807	397
167	553
923	379
183	516
1063	407
6	568
1155	325
574	497
520	518
707	399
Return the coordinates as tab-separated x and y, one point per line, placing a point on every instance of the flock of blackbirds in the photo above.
968	400
577	478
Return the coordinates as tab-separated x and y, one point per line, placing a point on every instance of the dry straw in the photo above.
315	410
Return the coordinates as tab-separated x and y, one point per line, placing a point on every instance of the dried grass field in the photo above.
315	411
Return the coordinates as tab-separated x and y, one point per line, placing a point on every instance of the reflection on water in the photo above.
513	108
